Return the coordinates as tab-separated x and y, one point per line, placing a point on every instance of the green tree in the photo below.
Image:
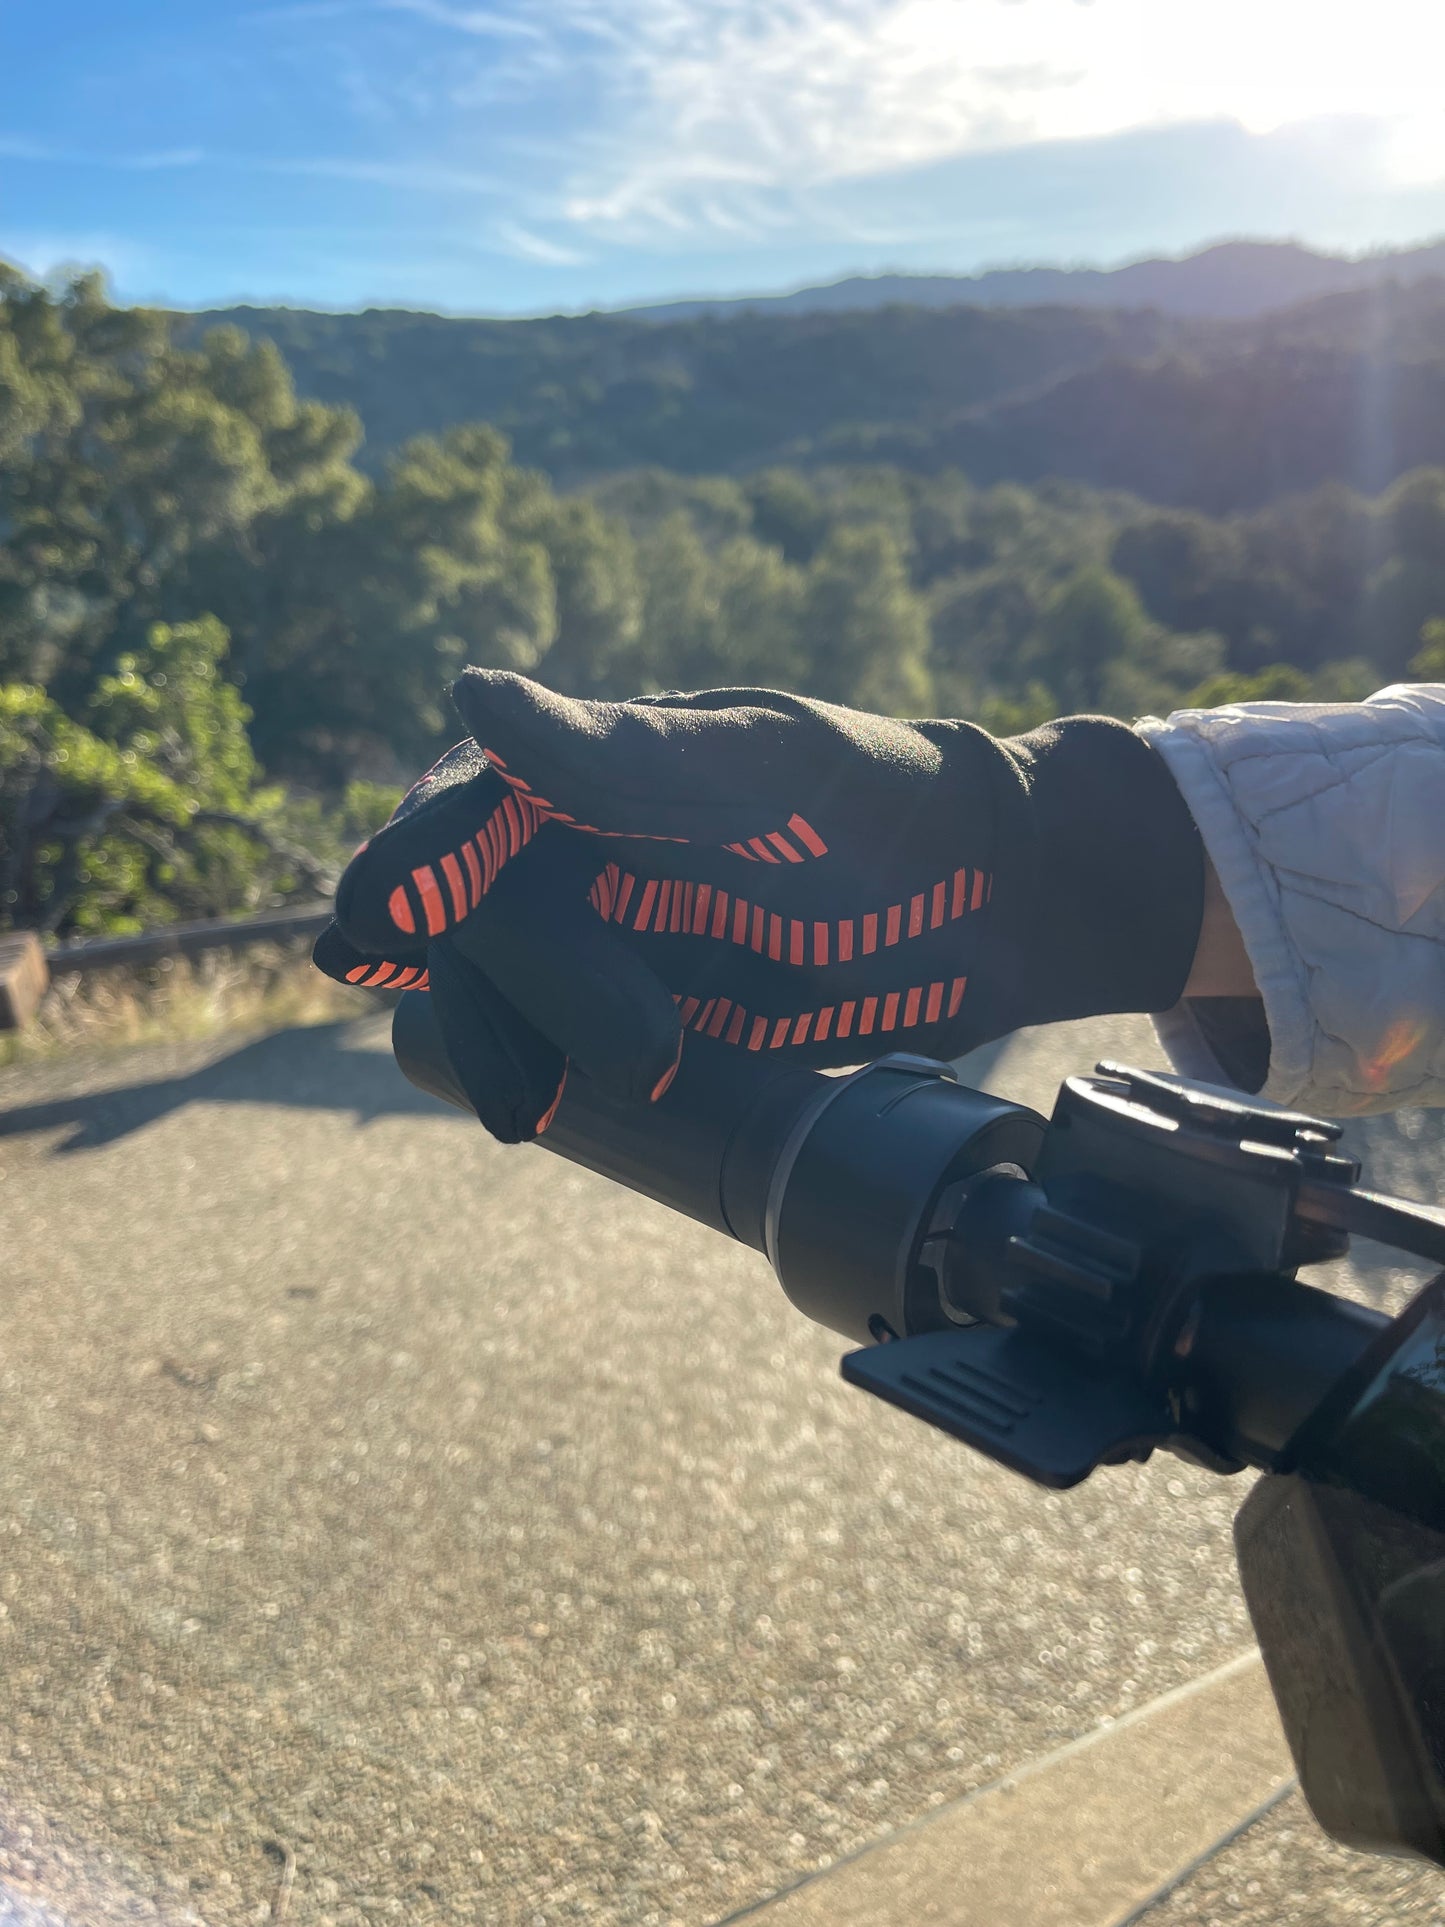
865	629
1429	663
786	513
1281	682
597	592
1182	565
113	493
1097	649
1350	681
147	809
759	599
1089	622
981	623
1407	591
1153	676
1405	596
715	618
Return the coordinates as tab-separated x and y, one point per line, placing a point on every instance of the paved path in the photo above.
1086	1836
400	1527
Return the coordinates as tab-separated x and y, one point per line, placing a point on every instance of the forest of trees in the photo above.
586	395
1214	415
224	642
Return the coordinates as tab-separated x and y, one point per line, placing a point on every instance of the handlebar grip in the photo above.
707	1148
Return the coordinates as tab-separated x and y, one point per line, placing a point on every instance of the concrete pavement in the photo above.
1045	1847
401	1527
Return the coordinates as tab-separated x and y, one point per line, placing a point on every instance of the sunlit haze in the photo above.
556	153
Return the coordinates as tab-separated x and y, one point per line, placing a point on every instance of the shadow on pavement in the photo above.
322	1068
316	1068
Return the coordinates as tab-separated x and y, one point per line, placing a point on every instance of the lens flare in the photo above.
1399	1042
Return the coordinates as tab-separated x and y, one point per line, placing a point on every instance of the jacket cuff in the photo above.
1249	889
1326	825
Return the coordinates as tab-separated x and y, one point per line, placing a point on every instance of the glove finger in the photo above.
338	958
543	945
432	864
513	1077
716	770
458	765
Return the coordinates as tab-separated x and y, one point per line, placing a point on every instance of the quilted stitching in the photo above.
1327	827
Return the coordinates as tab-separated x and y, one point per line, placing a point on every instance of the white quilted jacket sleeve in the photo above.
1326	825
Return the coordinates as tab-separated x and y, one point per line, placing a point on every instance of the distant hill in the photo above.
591	394
1234	280
1218	415
1349	389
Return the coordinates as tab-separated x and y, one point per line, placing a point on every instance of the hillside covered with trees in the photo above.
224	644
1217	415
582	396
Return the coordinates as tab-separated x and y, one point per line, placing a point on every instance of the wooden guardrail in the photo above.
23	978
26	966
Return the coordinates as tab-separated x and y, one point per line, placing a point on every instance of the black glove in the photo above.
599	879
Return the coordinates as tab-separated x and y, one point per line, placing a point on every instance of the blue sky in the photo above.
526	155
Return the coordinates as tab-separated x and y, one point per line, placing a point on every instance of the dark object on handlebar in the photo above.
1080	1292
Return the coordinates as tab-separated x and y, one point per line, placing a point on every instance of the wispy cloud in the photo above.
169	157
15	148
638	139
307	10
710	121
421	176
711	95
145	162
479	22
518	240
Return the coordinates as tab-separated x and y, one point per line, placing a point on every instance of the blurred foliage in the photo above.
586	395
1222	416
224	645
1429	665
148	806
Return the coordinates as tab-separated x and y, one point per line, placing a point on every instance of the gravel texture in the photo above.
1285	1873
400	1527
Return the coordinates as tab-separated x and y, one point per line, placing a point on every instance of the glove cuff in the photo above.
1110	916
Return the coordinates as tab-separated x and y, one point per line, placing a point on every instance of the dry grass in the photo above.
264	987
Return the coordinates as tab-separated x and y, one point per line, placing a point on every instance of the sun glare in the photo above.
1063	69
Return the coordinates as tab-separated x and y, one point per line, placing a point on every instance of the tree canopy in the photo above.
1223	416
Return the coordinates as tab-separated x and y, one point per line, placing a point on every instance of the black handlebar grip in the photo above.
707	1148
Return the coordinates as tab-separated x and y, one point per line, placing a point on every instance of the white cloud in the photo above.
710	96
1415	149
520	241
419	175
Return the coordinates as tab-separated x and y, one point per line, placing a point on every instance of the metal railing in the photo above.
26	966
188	939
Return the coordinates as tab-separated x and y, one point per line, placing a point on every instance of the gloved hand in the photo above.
593	882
